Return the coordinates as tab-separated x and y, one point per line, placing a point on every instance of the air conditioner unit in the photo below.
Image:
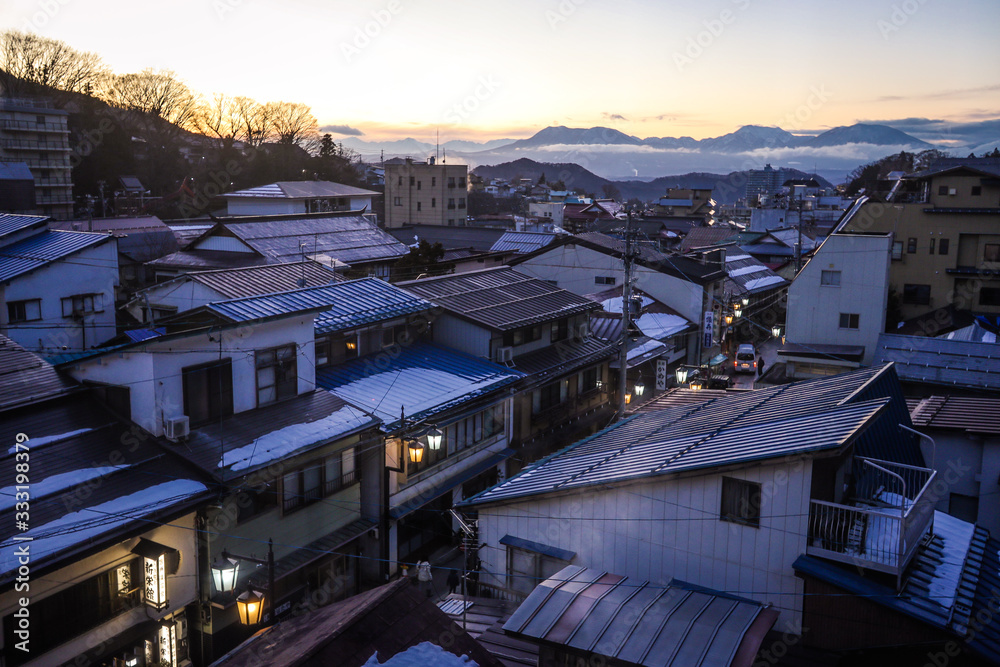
504	355
182	628
175	428
583	330
952	192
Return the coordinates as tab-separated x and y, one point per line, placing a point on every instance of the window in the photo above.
917	294
549	396
991	252
400	181
943	247
434	202
830	278
522	336
604	280
559	330
989	296
897	250
24	311
252	502
418	206
849	320
413	180
461	182
208	391
588	380
461	202
277	376
451	203
397	201
418	184
82	304
911	245
434	181
977	190
335	349
39	120
526	569
451	181
931	248
942	189
740	501
319	479
58	618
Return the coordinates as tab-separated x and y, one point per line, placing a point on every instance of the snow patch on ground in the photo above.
424	654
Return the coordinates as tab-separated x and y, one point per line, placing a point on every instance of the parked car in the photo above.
746	359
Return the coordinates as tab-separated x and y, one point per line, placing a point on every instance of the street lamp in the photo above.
416	449
776	331
681	374
640	387
737	310
249	603
225	571
746	301
729	318
434	437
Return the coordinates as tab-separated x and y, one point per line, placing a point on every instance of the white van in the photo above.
746	359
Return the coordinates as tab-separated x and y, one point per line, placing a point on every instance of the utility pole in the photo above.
626	318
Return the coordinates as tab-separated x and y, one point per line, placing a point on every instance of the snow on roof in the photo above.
614	304
946	577
754	268
644	348
77	528
424	654
661	325
38	442
735	258
762	282
285	441
57	483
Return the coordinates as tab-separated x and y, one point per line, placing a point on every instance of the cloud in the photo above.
859	152
946	131
942	95
613	116
341	129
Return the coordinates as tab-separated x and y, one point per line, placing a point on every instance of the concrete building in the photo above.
35	133
425	193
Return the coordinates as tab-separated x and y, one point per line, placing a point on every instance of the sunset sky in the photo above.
396	68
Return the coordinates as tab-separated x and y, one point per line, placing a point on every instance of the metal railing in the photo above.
882	530
500	593
29	126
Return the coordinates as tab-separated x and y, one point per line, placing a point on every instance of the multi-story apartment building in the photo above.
425	193
35	133
946	226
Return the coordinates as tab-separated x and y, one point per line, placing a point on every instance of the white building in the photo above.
288	197
837	304
551	211
57	287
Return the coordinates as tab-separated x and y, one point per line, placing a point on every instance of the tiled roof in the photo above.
349	238
344	305
941	361
563	357
960	413
681	267
43	249
522	242
302	190
801	417
701	237
477	238
501	298
638	623
422	380
11	222
25	378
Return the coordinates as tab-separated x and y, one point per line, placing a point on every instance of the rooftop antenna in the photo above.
437	143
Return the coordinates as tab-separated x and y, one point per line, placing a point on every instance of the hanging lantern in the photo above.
776	331
737	311
250	605
729	319
628	398
154	572
225	572
681	374
416	450
434	437
640	387
745	300
696	385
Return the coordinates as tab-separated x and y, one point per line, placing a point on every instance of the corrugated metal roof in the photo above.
477	238
961	413
501	298
348	238
422	379
746	275
564	357
703	237
802	417
675	265
639	623
941	361
35	252
15	171
345	305
522	242
26	378
301	190
10	222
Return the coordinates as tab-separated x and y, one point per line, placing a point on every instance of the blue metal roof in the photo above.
940	361
522	242
346	305
538	547
11	222
636	622
803	417
35	252
422	379
951	584
137	335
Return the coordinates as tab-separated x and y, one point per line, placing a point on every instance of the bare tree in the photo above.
219	118
27	60
252	121
155	103
294	124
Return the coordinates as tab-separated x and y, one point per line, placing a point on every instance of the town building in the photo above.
292	197
34	132
425	193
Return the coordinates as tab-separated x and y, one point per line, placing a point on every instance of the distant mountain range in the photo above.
609	153
575	176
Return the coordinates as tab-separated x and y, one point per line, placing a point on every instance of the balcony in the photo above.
31	126
28	145
892	512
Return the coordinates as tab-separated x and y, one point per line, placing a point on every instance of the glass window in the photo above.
917	294
991	252
943	247
740	501
24	311
830	278
931	248
911	245
849	320
277	377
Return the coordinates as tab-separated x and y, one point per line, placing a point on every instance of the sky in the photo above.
389	69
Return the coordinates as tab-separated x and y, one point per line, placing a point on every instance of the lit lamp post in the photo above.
737	310
776	331
681	375
639	387
250	603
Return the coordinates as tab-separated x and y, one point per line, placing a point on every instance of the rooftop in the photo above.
476	238
42	249
940	361
522	242
422	380
302	190
25	378
747	275
11	223
959	413
500	298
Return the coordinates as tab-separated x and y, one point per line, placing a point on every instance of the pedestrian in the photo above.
452	580
424	576
760	367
